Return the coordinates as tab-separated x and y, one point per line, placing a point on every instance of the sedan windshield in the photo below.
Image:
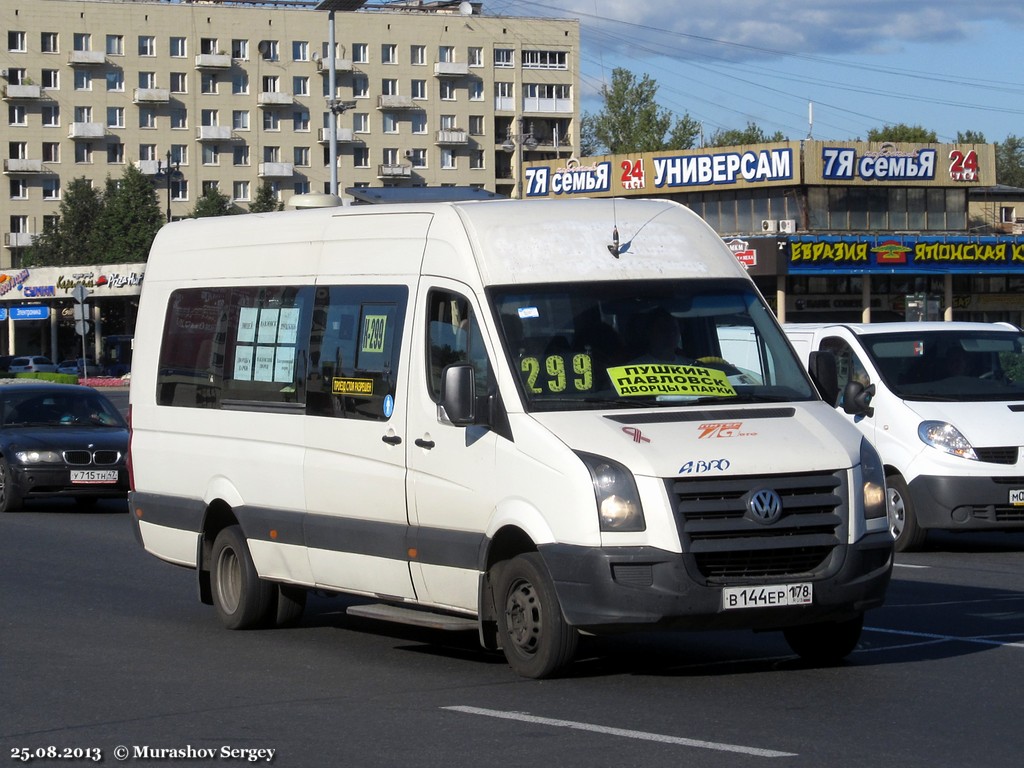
43	409
951	365
643	343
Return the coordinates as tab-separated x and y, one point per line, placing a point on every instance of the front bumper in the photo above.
612	589
967	503
40	480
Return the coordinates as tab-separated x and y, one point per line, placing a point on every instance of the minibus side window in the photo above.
355	341
454	336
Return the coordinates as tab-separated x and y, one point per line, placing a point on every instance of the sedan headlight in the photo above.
947	438
618	501
39	457
873	476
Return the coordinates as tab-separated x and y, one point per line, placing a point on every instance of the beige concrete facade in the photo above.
238	94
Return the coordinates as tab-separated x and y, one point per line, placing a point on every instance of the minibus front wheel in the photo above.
532	631
243	600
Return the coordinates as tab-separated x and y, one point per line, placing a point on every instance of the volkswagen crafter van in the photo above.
513	416
943	402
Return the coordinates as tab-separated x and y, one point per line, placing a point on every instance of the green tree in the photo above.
128	221
631	120
1010	162
970	137
265	201
901	132
213	203
66	242
752	134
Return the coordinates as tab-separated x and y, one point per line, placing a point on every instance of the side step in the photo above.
417	618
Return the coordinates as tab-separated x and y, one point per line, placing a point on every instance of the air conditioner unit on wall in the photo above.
787	225
769	225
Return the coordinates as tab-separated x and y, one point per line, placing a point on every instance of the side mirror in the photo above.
857	399
458	394
822	367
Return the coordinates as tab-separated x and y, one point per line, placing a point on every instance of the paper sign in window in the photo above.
374	328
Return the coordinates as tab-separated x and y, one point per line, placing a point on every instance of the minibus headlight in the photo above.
618	502
873	477
947	438
39	457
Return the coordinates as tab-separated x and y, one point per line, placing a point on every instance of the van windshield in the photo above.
642	343
950	365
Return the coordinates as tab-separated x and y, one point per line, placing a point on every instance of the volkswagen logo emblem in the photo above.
765	506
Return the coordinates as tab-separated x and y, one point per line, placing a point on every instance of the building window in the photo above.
240	120
271	84
147	151
300	188
301	156
240	50
446	53
179	154
115	45
51	80
83	80
82	41
179	119
476	57
418	55
447	90
147	117
115	80
269	50
211	154
51	152
419	122
179	47
388	53
418	158
19	189
389	123
50	114
419	89
208	83
300	121
360	122
360	157
360	53
360	86
179	82
504	58
83	152
448	158
147	45
300	50
49	42
208	45
115	117
271	122
476	125
476	159
240	83
83	114
240	191
115	154
51	189
389	86
240	155
179	190
16	41
208	117
271	154
545	60
476	90
300	85
16	115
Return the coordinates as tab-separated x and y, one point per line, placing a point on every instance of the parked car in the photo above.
79	367
31	364
60	440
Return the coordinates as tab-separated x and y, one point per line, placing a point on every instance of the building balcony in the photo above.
451	69
558	106
148	167
213	61
340	66
18	92
214	133
388	171
152	96
87	131
504	104
19	239
395	102
87	58
275	99
15	166
449	137
276	170
344	135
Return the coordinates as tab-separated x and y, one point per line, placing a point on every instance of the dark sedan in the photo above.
60	440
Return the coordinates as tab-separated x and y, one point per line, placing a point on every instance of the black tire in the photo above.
9	499
534	635
243	600
291	602
826	643
906	531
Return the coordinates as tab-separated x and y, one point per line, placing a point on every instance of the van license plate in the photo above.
1017	497
768	596
93	475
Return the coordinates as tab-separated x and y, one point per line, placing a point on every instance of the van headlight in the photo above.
872	474
947	438
618	502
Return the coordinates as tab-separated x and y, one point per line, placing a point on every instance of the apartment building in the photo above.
234	95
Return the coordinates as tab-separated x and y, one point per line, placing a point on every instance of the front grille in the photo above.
100	458
998	455
726	544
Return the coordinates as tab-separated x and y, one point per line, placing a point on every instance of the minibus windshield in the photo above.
954	365
645	343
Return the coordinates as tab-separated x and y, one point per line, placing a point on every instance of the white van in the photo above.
943	402
513	416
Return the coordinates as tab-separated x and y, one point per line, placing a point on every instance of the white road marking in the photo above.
623	732
949	638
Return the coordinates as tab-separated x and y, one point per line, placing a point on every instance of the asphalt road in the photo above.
103	646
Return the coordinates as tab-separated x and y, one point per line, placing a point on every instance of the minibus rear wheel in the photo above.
243	600
534	635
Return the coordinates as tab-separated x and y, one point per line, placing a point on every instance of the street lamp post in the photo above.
170	174
515	142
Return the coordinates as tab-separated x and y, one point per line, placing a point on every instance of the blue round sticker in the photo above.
389	406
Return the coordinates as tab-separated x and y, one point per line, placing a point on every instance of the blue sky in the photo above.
949	65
